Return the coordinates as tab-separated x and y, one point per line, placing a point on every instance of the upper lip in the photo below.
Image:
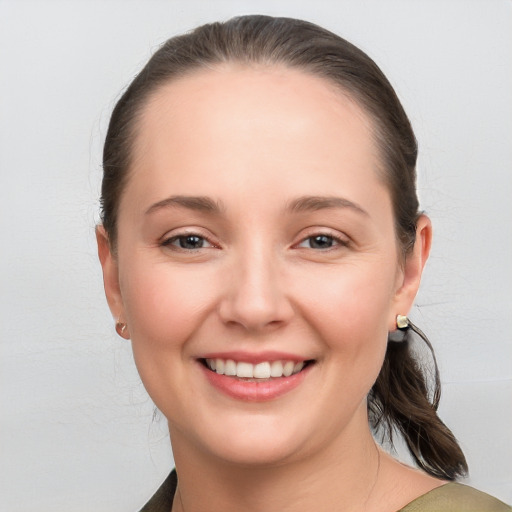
255	357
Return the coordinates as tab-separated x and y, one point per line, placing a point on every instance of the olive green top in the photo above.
452	497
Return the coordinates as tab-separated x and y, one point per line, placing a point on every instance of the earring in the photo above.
402	322
121	329
402	326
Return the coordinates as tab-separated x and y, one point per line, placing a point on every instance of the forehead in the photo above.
262	123
239	96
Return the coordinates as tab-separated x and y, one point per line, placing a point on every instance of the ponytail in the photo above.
400	401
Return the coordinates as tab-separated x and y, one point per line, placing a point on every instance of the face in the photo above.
256	238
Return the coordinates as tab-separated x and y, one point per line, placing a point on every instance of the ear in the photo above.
110	276
410	277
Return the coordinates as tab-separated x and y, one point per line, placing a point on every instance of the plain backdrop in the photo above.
77	428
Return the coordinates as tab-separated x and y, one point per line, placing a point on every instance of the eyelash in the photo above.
172	242
337	241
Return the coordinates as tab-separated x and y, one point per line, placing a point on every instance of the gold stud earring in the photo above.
121	329
402	322
402	326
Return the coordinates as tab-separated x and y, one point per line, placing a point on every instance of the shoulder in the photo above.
162	500
455	497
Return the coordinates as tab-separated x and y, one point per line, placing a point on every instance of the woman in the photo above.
261	246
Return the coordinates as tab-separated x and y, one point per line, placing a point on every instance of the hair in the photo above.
400	398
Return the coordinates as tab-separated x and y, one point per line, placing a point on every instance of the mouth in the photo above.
255	377
260	372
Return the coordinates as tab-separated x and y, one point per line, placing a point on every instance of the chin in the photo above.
256	440
259	452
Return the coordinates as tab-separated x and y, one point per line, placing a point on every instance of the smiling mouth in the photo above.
260	381
263	371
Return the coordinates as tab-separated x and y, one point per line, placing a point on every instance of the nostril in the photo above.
255	304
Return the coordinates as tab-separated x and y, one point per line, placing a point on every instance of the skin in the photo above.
254	141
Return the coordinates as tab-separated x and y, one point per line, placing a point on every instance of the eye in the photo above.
188	242
321	242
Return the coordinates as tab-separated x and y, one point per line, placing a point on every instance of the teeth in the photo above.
230	367
276	369
288	368
298	367
263	370
245	370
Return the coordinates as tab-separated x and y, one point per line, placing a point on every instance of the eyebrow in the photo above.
302	204
312	203
197	203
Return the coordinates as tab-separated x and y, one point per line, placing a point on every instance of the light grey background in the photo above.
77	432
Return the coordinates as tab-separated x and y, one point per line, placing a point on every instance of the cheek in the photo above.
356	297
163	307
350	312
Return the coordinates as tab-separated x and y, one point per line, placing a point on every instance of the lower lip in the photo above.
255	391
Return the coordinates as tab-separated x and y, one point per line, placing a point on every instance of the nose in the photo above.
255	297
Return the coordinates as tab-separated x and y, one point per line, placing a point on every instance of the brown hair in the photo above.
400	397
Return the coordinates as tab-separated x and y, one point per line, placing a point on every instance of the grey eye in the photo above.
318	242
188	242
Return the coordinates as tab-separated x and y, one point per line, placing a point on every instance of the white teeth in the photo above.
288	368
276	369
298	367
245	370
263	370
230	367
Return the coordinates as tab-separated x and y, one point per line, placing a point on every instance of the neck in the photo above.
340	476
